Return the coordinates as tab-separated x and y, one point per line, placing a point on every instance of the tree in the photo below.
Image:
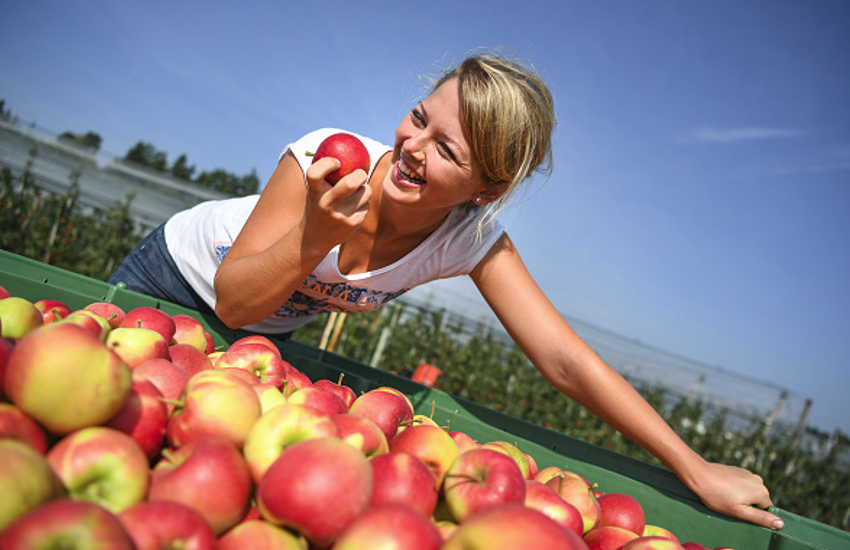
181	168
221	180
145	154
89	140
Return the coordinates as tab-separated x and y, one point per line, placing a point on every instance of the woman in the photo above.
425	210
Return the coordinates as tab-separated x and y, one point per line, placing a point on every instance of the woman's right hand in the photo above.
334	212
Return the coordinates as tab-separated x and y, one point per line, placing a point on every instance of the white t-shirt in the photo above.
199	238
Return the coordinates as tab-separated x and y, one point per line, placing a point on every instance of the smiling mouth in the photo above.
408	173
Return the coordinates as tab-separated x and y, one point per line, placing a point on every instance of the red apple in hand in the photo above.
348	150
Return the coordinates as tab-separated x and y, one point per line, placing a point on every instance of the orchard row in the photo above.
131	429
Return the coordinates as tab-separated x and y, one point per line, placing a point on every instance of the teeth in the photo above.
408	173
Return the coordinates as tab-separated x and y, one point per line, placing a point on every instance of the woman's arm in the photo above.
290	231
569	364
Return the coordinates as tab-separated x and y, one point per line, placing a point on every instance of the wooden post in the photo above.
340	319
800	423
323	343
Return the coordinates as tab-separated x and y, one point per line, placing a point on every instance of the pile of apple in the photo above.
130	430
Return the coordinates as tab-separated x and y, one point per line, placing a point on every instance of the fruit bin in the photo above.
666	501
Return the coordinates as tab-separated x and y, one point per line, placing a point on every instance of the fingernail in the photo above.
778	524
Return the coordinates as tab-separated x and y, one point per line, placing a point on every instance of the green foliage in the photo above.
480	368
90	140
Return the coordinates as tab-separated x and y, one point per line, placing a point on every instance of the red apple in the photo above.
210	348
4	293
26	480
390	526
214	405
545	474
294	381
151	318
101	465
509	527
89	322
621	510
402	478
66	523
256	358
14	424
163	525
327	402
384	408
113	313
166	376
61	360
657	531
575	489
136	345
348	150
512	451
652	543
480	479
361	433
608	537
18	317
105	327
431	445
143	417
269	396
280	428
6	347
347	394
258	535
209	475
691	545
316	487
52	310
189	358
541	497
463	441
188	330
257	339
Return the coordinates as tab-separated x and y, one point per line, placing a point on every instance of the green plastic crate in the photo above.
666	501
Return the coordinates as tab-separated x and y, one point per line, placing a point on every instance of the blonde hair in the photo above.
508	115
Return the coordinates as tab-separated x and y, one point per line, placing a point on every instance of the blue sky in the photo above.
700	200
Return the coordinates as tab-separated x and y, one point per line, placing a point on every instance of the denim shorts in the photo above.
150	269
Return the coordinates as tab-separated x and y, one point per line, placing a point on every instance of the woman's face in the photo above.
433	165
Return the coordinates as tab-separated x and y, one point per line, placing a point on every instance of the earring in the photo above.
477	200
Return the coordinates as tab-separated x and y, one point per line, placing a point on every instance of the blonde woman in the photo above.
425	210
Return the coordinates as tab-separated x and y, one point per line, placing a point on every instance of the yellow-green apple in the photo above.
26	480
245	375
316	487
431	445
401	478
658	531
621	510
14	424
66	523
189	358
346	393
269	396
52	310
480	479
209	475
101	465
113	313
463	441
401	394
509	527
541	497
256	358
348	150
545	474
608	537
88	322
512	451
294	381
60	360
574	488
143	417
390	526
162	525
214	405
166	376
150	318
136	345
417	420
280	428
258	535
257	339
18	317
652	543
188	330
361	433
327	402
384	408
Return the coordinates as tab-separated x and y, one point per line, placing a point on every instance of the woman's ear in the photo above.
492	192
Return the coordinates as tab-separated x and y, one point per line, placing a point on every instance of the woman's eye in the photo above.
417	116
447	151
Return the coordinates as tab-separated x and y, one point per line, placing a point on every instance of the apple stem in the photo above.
309	153
175	402
341	376
467	477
